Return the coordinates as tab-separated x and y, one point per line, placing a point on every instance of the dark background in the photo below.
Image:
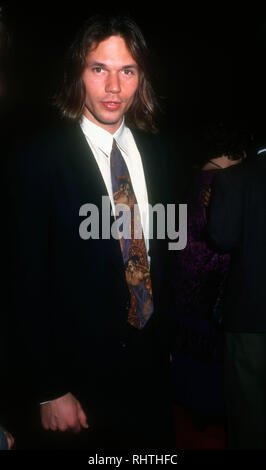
208	62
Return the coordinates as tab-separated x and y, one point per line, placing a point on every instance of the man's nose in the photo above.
112	84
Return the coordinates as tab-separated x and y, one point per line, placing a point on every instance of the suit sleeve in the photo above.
225	211
31	325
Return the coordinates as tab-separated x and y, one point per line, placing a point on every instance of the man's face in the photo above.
111	79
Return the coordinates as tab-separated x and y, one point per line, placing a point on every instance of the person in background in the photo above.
237	224
199	274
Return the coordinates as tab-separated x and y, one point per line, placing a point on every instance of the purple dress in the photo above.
199	274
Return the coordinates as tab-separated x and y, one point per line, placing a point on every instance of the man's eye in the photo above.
128	72
97	69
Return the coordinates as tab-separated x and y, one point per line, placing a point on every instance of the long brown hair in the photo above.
71	97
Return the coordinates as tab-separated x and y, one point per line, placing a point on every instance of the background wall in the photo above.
208	63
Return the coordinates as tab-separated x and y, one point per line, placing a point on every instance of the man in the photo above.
93	344
238	224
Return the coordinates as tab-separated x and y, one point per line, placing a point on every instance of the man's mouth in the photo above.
111	105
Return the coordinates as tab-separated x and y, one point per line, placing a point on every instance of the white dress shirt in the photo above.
101	142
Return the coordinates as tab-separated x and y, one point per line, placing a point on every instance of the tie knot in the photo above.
116	155
114	147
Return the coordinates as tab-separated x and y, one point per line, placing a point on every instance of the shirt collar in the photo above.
102	138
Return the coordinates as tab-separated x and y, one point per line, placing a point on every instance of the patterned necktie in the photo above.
133	247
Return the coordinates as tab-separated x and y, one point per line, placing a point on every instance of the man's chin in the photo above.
108	120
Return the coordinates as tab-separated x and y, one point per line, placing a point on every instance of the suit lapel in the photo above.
151	159
144	146
87	185
85	165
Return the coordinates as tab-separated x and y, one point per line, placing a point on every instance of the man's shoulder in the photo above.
56	138
159	144
50	146
166	159
145	137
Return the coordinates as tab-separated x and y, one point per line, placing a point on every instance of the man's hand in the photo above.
9	438
63	414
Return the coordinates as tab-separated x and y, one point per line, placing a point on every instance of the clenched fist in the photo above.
63	414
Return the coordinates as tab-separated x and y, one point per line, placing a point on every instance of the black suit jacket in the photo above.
69	296
238	224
